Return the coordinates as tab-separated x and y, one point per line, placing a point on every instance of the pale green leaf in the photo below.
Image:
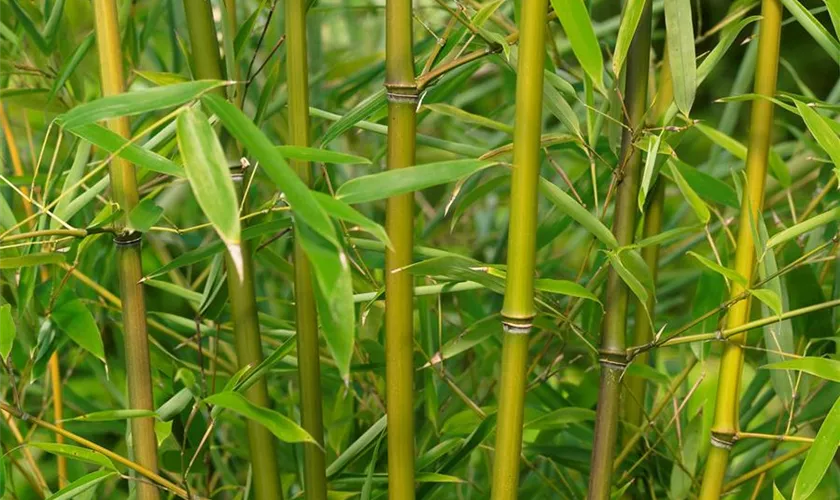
76	321
75	453
825	368
679	31
820	456
81	485
724	271
8	331
284	429
574	17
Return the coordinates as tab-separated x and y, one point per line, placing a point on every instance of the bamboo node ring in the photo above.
401	93
128	239
516	329
721	443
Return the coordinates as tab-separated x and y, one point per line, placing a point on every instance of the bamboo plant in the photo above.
124	189
306	321
613	342
725	426
518	310
399	224
247	340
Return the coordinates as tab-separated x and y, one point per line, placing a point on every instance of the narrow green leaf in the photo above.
8	331
362	111
679	31
342	211
75	453
209	174
803	227
33	259
833	7
564	287
724	271
828	369
633	283
74	175
466	116
143	216
821	130
81	485
573	209
109	415
557	105
111	142
630	16
648	170
574	17
814	28
284	429
561	418
697	204
394	182
320	155
770	298
70	66
738	150
777	495
358	447
133	103
820	455
175	405
709	188
75	320
306	208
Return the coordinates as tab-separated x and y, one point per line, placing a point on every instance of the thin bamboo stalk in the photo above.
518	309
643	333
399	223
612	351
124	190
207	64
725	426
306	321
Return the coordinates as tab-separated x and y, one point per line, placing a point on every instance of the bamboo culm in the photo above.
399	223
306	321
613	341
247	342
725	424
518	310
124	189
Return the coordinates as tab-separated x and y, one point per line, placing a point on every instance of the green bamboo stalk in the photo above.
124	190
261	443
642	332
725	426
399	223
612	352
309	363
518	309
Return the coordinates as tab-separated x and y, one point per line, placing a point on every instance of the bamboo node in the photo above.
516	328
402	92
724	441
128	239
612	359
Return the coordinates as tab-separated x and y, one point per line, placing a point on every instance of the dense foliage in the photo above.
217	328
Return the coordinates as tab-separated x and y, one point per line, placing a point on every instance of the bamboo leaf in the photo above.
358	447
777	495
110	415
76	453
209	174
74	175
394	182
133	103
175	405
821	130
466	116
814	28
820	455
320	155
738	150
573	209
143	216
8	331
724	271
111	142
81	485
709	188
361	112
76	321
833	7
306	208
630	16
564	287
633	283
70	66
561	109
342	211
284	429
679	32
803	227
574	17
770	298
700	208
828	369
647	171
32	259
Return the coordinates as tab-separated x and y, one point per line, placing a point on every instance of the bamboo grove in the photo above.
419	249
